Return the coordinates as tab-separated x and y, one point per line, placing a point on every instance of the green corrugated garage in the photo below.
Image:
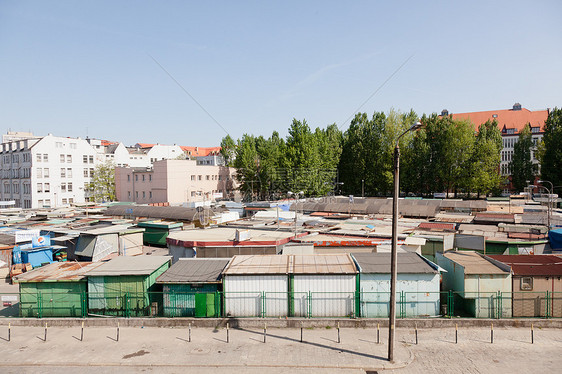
55	290
125	286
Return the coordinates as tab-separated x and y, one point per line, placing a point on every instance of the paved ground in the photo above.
166	350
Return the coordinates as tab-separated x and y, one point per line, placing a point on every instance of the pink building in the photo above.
174	182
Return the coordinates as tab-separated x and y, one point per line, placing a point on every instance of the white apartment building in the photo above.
47	171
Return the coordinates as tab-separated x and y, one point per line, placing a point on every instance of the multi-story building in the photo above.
510	122
46	171
174	182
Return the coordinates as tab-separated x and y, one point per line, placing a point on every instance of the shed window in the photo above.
526	284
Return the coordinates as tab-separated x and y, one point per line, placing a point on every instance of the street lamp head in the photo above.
540	181
416	126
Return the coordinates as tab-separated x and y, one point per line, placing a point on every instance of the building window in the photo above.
86	173
58	144
39	187
70	200
91	172
69	158
63	173
46	172
16	188
47	187
62	158
69	186
85	159
199	177
39	173
91	159
150	177
193	177
129	194
63	187
136	177
137	194
38	157
143	177
143	194
40	203
526	284
72	145
150	194
47	202
45	157
128	177
64	201
69	173
208	177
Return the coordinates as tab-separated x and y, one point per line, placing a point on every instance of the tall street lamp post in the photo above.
393	257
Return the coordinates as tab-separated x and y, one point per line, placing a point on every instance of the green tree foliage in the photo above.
103	182
228	150
551	153
306	161
485	161
521	165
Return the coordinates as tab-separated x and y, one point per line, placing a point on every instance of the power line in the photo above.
187	93
377	90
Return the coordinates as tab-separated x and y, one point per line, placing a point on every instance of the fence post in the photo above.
309	304
39	305
547	304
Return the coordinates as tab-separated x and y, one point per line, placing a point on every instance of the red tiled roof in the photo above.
200	151
107	142
144	145
511	119
532	264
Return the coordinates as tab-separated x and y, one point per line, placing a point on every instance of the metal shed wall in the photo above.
256	295
329	295
421	292
52	299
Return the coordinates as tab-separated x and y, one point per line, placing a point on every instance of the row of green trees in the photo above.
446	155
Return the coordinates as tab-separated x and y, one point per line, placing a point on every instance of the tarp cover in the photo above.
555	237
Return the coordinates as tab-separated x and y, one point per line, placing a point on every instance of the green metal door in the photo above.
210	305
201	305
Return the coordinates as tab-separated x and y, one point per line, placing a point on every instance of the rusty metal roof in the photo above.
532	264
258	264
291	264
58	272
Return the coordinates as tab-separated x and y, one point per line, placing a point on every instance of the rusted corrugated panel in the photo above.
532	264
58	271
437	226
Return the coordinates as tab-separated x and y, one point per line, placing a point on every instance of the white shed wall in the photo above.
332	295
421	293
244	295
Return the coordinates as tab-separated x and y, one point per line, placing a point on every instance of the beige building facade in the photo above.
174	182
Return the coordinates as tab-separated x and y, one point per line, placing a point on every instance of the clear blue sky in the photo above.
78	68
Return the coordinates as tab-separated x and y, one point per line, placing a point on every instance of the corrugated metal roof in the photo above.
125	265
436	226
379	263
58	272
258	264
323	264
532	264
195	270
473	263
164	212
291	264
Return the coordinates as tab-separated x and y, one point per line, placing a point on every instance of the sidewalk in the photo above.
167	350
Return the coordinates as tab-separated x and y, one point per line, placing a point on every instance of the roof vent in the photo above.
444	112
516	106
